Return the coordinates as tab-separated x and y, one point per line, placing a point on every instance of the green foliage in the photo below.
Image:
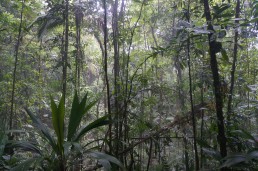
219	11
255	12
105	159
44	130
58	113
64	148
3	143
79	109
243	160
152	86
209	151
26	165
26	146
95	124
51	20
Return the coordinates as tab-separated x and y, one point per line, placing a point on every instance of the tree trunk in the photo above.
105	69
191	95
232	80
117	118
65	52
202	119
15	70
78	21
216	83
149	156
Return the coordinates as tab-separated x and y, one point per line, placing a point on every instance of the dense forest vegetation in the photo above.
137	85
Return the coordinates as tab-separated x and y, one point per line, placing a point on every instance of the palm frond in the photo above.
52	19
43	129
79	109
58	113
95	124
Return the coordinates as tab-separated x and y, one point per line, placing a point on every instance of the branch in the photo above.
179	120
161	131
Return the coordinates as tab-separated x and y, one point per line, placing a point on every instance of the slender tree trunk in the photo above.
232	80
128	90
150	156
65	52
39	77
186	154
116	77
15	70
216	83
202	119
105	68
78	62
181	107
192	107
191	95
248	71
123	126
78	20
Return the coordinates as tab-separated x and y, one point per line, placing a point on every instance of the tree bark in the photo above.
105	68
216	83
78	20
202	120
15	69
117	116
65	52
233	68
8	150
191	95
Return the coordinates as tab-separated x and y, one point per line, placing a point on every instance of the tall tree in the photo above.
197	167
215	47
78	21
233	68
117	117
65	49
105	30
16	53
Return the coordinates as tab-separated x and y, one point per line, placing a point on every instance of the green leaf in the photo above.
224	55
106	164
212	153
244	134
67	148
48	25
75	118
203	143
79	109
253	155
43	129
26	146
58	113
25	166
77	147
49	21
218	10
95	124
233	160
247	23
103	156
222	34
